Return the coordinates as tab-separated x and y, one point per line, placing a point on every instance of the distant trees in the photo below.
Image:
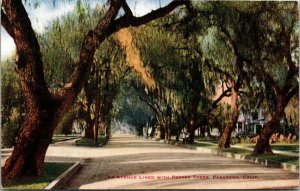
129	107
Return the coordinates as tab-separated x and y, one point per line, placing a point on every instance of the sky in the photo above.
46	12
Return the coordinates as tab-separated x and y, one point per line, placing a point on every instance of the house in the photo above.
250	123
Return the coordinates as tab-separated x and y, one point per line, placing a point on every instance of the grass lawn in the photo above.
207	140
290	148
90	142
294	148
205	145
281	158
52	171
273	157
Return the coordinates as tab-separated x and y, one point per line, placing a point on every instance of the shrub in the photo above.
8	133
90	142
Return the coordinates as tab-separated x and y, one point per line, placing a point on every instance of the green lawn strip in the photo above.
281	158
90	142
294	148
273	157
206	145
52	171
290	148
208	140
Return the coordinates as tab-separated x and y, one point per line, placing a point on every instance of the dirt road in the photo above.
128	162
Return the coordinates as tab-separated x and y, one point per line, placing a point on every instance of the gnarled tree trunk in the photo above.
192	122
168	124
162	130
89	125
33	140
226	135
263	145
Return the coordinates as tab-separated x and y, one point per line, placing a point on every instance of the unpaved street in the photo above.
128	162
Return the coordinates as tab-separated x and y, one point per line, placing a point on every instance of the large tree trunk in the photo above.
178	134
168	127
152	131
263	145
202	131
192	122
33	140
162	130
89	126
226	136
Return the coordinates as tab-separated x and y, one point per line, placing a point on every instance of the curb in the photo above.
64	139
262	162
61	180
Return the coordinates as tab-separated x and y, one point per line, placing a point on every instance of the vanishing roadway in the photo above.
127	162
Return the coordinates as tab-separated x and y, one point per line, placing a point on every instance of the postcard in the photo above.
149	94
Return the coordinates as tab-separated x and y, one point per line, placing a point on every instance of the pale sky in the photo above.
45	13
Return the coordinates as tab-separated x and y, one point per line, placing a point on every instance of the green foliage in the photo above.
281	158
90	142
292	112
65	125
8	133
12	106
60	44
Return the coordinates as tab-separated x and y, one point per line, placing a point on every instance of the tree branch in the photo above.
292	65
91	42
217	69
5	23
127	9
215	103
287	51
242	93
130	20
149	104
293	92
261	72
